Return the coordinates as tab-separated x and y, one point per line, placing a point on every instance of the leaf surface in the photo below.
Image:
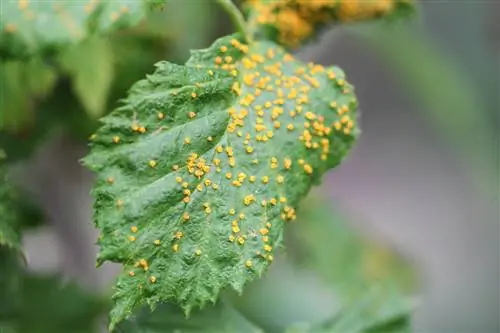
199	170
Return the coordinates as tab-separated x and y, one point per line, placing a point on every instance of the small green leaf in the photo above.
23	84
29	26
91	67
221	318
199	170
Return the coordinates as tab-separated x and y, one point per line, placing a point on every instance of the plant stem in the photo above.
236	17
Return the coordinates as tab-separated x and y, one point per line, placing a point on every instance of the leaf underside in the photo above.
200	168
30	26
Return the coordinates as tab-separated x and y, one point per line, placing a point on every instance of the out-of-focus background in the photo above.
423	178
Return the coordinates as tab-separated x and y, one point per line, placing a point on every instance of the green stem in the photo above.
236	17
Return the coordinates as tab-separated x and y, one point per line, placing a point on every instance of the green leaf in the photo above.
292	22
91	67
23	84
221	318
200	168
29	26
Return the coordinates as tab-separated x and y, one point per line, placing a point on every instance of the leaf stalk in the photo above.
236	17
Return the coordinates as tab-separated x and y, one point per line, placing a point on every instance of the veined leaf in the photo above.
199	170
291	22
221	318
28	26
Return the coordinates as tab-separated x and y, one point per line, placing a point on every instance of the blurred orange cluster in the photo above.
296	20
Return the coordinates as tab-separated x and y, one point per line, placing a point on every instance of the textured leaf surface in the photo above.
202	166
221	318
27	26
291	22
91	67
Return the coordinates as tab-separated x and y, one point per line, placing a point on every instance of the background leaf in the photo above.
22	84
91	67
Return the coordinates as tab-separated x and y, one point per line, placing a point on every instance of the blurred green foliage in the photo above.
31	303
